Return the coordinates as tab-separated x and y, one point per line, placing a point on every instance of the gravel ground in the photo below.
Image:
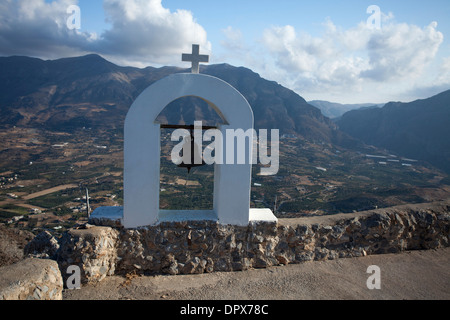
423	275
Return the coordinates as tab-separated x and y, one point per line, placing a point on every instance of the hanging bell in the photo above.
189	159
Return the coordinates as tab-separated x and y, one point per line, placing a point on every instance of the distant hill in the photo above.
69	93
90	91
419	129
334	110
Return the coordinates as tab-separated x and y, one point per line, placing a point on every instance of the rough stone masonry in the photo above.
31	279
199	247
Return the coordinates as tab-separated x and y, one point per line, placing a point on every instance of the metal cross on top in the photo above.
195	58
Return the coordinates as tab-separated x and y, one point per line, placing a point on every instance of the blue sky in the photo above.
320	49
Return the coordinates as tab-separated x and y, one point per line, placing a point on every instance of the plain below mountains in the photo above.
92	92
418	130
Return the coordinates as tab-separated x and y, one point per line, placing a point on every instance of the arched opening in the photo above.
181	189
142	153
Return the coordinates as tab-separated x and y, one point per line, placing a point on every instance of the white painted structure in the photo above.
142	154
195	57
232	182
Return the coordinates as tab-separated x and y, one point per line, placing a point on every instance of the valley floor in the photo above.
414	275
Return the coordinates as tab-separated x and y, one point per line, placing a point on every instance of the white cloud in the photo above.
142	31
401	51
38	28
358	59
437	82
293	52
233	39
238	51
444	72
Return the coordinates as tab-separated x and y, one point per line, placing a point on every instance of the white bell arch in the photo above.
232	182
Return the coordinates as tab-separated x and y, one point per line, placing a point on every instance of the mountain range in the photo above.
89	91
418	129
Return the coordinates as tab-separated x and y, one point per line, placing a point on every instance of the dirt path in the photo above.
410	275
20	202
49	191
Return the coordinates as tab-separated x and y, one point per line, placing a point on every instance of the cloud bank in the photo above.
142	31
354	58
37	28
145	30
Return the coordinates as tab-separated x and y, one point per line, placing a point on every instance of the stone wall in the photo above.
94	250
385	231
198	247
184	248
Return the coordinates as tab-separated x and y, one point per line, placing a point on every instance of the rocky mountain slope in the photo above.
89	91
418	130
